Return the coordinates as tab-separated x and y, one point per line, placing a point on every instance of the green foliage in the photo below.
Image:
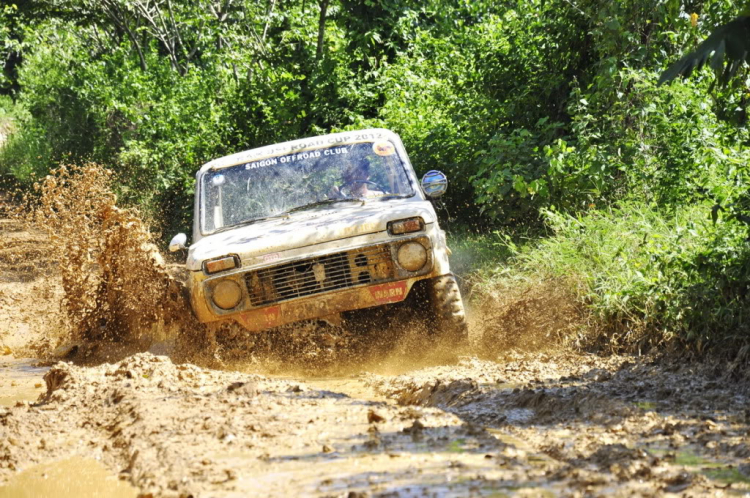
525	105
7	42
651	275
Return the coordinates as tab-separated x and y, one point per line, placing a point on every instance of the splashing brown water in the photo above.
116	285
528	316
119	296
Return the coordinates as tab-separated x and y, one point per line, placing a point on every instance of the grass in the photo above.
726	475
24	152
6	108
646	276
6	118
476	252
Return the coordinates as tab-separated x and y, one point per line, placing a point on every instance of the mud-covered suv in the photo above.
313	228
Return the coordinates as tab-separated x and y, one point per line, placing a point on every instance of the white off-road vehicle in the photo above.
313	228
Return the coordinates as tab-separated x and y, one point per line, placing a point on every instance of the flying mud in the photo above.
105	376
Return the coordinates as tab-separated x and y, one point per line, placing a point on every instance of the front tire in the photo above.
448	310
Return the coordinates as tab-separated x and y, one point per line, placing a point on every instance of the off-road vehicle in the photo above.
313	228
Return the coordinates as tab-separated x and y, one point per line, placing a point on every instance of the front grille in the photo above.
322	274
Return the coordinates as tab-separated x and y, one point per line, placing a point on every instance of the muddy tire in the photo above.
448	318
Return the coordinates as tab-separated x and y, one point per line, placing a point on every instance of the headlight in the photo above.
227	294
220	264
408	225
412	256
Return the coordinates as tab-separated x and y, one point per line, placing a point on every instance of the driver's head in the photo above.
357	172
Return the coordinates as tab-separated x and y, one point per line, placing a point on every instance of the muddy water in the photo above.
590	428
352	387
20	380
71	478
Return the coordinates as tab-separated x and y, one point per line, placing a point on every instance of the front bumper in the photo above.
303	299
324	305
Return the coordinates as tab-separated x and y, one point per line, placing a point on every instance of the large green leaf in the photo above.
728	43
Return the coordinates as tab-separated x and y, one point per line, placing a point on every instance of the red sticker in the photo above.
271	256
389	293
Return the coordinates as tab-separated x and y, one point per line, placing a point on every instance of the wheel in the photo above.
449	317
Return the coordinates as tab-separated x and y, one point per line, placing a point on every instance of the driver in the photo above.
356	184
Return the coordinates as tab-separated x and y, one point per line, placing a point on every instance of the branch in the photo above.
160	33
120	20
268	19
321	29
174	27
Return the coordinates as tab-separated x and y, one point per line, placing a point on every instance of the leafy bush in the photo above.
650	276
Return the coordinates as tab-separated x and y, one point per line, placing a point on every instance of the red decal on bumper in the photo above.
389	293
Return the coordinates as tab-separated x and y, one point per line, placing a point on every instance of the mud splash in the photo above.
108	291
115	281
531	316
30	290
385	341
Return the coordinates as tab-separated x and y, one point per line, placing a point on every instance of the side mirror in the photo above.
434	184
178	242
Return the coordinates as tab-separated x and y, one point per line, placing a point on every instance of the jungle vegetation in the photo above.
547	115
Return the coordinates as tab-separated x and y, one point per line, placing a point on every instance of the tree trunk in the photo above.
321	29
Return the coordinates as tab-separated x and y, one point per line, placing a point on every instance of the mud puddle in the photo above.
20	380
352	387
72	478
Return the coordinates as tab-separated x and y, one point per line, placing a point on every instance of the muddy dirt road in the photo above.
538	426
342	415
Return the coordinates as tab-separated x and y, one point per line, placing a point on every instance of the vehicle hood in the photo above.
305	228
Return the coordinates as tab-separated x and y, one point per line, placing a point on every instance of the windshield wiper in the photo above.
391	196
322	203
249	222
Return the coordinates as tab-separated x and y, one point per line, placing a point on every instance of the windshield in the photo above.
276	185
